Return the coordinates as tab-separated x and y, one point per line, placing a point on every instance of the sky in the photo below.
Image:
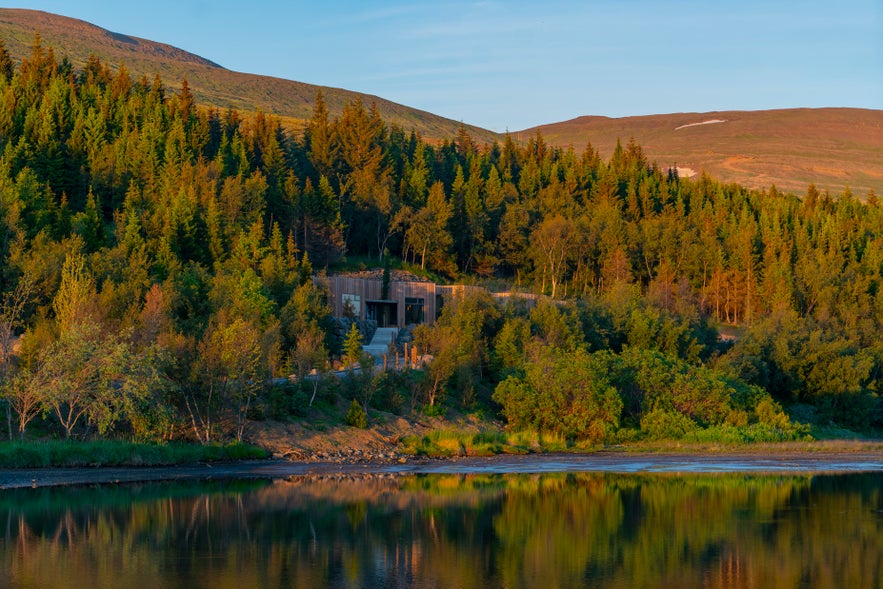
510	65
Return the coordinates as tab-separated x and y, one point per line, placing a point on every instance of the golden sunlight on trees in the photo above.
157	258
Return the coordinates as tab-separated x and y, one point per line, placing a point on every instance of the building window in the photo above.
439	303
352	305
413	310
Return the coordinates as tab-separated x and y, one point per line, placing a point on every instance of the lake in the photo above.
479	530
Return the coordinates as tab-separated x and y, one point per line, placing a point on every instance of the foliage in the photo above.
231	370
661	424
588	396
565	393
352	346
393	389
459	343
162	251
448	442
356	416
44	454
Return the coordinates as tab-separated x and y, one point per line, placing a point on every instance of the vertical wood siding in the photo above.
370	290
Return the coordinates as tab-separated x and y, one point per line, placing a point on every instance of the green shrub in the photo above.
565	393
390	390
661	424
436	410
770	413
723	434
356	416
756	432
284	401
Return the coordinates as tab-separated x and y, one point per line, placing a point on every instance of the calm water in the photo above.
459	531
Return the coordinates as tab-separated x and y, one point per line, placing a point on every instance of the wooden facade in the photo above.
408	302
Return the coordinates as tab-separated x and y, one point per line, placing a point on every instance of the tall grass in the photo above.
44	454
488	442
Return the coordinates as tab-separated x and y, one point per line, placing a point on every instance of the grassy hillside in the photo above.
833	147
211	83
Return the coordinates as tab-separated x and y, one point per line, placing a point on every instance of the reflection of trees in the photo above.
553	527
551	530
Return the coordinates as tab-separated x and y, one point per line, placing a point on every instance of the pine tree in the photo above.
318	139
7	69
352	346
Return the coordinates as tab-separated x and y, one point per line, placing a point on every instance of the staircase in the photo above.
380	342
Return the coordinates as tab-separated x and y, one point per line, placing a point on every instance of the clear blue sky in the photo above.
515	64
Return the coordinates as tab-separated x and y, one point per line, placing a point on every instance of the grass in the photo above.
446	443
45	454
805	446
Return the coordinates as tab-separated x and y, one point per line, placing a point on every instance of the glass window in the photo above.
352	305
413	310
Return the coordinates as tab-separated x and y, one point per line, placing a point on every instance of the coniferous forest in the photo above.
156	261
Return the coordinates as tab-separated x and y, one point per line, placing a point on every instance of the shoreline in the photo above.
789	460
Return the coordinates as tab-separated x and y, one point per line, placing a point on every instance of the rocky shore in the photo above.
787	461
379	443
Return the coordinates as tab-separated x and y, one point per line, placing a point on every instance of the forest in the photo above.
157	260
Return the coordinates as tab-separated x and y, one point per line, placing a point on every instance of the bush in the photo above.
567	393
770	413
660	424
390	390
284	401
436	410
857	411
754	433
356	416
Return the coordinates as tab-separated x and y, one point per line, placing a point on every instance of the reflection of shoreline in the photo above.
797	462
399	491
555	530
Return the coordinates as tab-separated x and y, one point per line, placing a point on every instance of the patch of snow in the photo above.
685	172
709	122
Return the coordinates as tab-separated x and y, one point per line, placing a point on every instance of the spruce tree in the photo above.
352	346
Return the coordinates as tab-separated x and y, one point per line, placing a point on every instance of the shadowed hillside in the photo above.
833	147
211	83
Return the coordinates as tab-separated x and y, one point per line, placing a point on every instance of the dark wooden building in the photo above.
362	298
407	302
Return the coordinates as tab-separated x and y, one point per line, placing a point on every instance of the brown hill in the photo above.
212	84
833	147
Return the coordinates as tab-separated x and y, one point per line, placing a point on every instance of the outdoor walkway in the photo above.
379	345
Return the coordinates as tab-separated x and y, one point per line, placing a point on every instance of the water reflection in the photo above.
545	530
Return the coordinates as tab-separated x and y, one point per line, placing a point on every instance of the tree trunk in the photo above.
315	390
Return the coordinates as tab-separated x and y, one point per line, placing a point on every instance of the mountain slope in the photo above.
833	147
212	84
